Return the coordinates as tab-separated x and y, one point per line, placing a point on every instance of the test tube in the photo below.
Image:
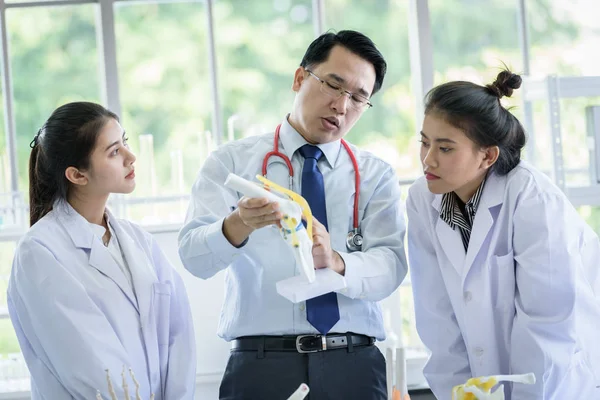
177	182
401	372
146	162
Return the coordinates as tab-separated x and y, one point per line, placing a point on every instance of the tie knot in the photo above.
310	151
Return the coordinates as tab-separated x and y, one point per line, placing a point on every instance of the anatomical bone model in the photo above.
111	389
481	388
293	207
299	394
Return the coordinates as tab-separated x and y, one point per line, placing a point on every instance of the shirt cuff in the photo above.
219	245
354	289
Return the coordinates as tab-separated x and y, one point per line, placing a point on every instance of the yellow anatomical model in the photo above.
481	388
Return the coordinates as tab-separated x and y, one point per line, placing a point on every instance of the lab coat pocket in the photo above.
502	281
161	307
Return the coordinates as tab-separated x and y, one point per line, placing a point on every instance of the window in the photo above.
6	204
54	60
591	215
482	36
13	371
166	103
388	129
259	46
563	37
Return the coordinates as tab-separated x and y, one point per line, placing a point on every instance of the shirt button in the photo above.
302	307
467	296
478	351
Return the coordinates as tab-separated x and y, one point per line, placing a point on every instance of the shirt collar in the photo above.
450	211
99	230
474	201
291	141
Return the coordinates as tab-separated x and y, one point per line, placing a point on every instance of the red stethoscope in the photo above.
354	238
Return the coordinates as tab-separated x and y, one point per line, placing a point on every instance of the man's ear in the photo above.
490	156
299	76
75	176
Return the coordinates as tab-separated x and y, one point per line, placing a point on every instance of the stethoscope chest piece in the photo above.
354	241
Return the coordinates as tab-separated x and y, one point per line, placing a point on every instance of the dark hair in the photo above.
477	111
355	42
66	139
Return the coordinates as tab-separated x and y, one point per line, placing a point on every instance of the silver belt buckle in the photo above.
299	345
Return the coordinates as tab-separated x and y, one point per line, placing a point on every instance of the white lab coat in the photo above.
524	298
76	315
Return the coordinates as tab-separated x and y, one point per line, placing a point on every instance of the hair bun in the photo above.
504	85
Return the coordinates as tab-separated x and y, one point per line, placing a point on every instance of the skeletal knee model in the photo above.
111	389
481	388
293	207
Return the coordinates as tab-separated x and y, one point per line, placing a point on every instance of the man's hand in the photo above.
323	255
258	212
251	214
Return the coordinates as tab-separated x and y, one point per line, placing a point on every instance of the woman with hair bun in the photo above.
505	273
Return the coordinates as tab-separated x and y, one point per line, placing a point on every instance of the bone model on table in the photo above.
111	389
481	388
293	207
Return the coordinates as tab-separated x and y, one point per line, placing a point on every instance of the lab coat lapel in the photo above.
492	196
142	273
144	277
82	236
101	259
450	239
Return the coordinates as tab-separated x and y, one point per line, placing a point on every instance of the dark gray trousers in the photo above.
331	375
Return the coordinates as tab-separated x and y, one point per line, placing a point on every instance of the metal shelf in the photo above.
566	87
552	89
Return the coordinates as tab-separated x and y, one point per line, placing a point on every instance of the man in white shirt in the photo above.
334	83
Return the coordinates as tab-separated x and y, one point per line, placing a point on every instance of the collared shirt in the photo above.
252	305
451	213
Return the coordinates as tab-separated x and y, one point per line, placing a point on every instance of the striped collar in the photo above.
451	214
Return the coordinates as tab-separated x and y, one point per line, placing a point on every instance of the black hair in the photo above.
355	42
66	139
477	111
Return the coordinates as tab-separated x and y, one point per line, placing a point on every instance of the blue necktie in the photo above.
322	312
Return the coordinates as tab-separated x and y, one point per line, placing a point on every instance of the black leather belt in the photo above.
301	343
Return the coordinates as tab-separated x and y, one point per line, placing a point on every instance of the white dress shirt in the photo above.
252	305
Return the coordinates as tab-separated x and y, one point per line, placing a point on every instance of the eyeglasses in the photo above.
357	102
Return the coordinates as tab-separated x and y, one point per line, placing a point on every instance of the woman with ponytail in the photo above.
504	271
90	294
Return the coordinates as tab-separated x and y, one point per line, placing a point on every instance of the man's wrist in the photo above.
339	265
235	230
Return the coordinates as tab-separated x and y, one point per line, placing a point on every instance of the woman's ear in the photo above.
75	176
490	156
